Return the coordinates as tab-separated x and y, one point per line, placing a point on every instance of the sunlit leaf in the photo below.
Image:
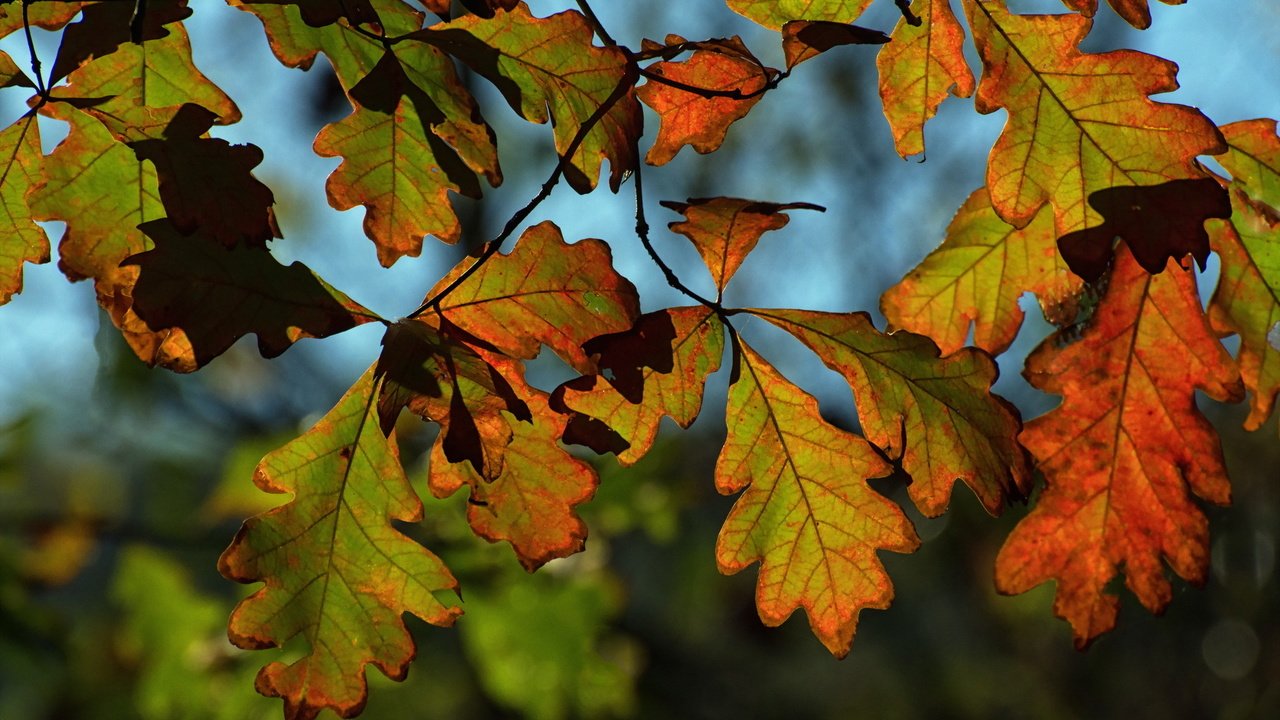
657	368
21	240
726	230
544	292
806	39
808	515
776	13
338	576
548	68
938	414
1247	299
1124	452
47	15
1253	159
531	504
1078	123
976	277
1136	12
919	68
693	119
443	380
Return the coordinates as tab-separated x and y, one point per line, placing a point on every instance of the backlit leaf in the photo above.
806	39
393	164
21	240
104	30
808	515
976	277
776	13
1078	123
937	414
318	13
11	75
137	87
1122	451
700	121
544	292
443	380
531	504
919	68
189	282
657	368
338	576
1136	12
726	230
548	68
1253	159
47	15
1247	299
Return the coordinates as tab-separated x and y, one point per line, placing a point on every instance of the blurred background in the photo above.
120	485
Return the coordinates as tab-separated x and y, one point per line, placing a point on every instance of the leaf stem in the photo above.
491	248
35	57
904	6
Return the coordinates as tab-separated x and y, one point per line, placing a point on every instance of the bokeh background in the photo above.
120	485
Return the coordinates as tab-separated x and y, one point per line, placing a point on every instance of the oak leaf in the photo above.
937	414
105	29
774	14
918	69
440	378
191	283
544	292
808	515
1122	451
726	230
659	367
548	68
531	503
1247	299
976	277
319	13
701	121
1135	12
1253	159
1061	144
394	164
21	240
338	575
806	39
47	15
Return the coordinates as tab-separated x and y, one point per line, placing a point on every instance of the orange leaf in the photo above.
923	63
531	504
443	380
657	368
938	414
726	230
21	240
808	515
1062	144
548	68
774	14
190	282
1247	299
338	575
1121	452
544	292
976	277
1135	12
687	118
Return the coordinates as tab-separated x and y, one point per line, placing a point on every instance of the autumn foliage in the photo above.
1096	201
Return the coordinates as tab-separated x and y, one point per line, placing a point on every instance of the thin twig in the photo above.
596	25
770	84
491	248
35	57
905	7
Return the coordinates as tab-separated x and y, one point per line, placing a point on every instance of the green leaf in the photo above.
21	240
338	576
808	515
774	14
937	414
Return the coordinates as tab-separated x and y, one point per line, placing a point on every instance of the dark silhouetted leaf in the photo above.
805	39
